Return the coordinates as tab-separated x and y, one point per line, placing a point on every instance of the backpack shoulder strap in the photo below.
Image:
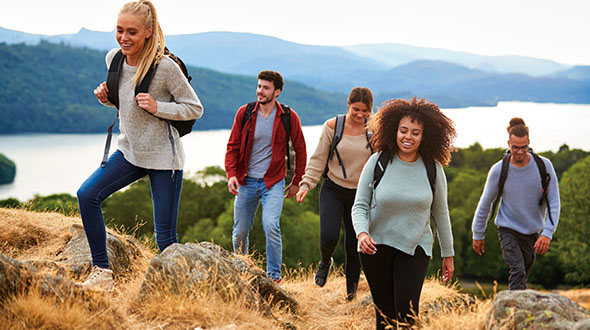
501	181
286	118
338	131
380	166
144	85
113	77
248	113
545	178
368	135
431	172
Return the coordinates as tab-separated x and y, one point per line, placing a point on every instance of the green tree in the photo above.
571	236
62	203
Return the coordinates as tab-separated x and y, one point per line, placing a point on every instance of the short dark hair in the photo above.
273	76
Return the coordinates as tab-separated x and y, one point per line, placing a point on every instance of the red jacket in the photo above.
238	155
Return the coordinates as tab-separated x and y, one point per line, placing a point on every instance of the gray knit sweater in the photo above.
398	214
144	137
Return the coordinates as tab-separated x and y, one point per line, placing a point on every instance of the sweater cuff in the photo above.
478	236
547	233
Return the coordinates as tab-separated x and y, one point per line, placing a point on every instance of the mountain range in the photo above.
225	64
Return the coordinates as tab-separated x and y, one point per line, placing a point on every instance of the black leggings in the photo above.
395	279
335	207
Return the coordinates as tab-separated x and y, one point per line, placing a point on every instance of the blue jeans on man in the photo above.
245	206
117	174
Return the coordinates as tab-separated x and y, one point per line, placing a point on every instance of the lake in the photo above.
59	163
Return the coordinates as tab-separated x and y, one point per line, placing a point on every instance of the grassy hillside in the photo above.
39	236
48	88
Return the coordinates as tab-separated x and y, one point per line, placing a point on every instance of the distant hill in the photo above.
328	68
450	79
451	85
398	54
48	88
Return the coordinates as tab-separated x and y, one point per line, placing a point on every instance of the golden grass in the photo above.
41	236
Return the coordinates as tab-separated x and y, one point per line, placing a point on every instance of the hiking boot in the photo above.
100	279
321	275
277	281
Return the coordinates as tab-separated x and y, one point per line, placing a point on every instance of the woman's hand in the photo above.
147	102
101	92
366	243
448	268
301	195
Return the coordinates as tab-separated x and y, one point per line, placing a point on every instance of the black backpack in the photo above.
545	178
338	132
182	126
285	118
385	158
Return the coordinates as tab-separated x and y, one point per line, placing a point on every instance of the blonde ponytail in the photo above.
153	49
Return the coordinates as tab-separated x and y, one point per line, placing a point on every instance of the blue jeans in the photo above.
245	206
117	174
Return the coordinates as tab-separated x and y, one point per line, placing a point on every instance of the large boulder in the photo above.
530	309
189	268
77	258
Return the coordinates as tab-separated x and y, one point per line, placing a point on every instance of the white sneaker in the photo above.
100	279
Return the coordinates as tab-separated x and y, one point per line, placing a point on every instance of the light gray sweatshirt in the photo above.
519	209
398	213
144	137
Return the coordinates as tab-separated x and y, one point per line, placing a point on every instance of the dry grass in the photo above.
41	236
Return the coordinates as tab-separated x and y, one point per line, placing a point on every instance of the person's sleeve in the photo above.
185	104
440	212
317	162
364	195
234	142
490	192
554	201
298	142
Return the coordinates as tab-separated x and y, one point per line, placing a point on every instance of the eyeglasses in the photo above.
523	148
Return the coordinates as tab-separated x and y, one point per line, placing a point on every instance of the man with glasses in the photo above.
526	200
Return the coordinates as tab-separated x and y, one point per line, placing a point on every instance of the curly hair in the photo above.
437	137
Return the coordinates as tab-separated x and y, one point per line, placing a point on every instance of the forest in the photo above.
206	214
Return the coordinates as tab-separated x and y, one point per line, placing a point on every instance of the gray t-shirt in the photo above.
261	152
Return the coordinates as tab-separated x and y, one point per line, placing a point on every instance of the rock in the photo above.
257	278
17	276
78	259
188	268
14	275
530	309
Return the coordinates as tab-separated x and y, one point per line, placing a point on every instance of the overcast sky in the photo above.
553	29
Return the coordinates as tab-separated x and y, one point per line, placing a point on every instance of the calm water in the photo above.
59	163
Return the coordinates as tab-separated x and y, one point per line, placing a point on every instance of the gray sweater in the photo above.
398	213
144	137
519	209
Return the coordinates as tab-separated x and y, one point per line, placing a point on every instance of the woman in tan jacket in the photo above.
341	168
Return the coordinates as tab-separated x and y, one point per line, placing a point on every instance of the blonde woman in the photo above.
342	168
144	145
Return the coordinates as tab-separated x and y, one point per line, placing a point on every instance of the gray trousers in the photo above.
518	252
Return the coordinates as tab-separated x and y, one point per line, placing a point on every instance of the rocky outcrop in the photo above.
77	259
18	276
530	309
191	268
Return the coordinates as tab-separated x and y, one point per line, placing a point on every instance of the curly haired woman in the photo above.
392	221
